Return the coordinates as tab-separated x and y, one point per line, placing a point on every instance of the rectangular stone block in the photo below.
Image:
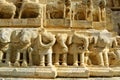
56	23
99	25
100	72
30	22
116	71
29	72
45	72
72	72
82	24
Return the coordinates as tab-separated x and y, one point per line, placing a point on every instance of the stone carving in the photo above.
20	42
79	45
79	11
33	9
4	42
60	47
102	43
116	53
55	9
7	10
89	10
116	3
99	13
43	46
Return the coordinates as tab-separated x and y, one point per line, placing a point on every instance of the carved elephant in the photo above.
60	48
4	42
20	42
101	46
43	46
79	45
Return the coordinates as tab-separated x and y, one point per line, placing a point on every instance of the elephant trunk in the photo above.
46	45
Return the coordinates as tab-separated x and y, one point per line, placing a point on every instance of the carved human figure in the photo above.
56	9
7	9
79	45
116	3
31	9
20	42
99	13
79	10
43	46
60	47
4	42
89	10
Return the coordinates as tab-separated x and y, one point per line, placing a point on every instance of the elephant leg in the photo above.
57	59
30	59
82	59
42	60
100	58
49	59
8	58
64	59
12	17
75	59
17	64
1	56
24	62
106	59
86	60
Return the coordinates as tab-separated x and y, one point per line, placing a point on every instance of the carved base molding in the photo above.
52	72
100	72
30	72
72	72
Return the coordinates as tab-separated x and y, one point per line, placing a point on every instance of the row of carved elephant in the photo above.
25	43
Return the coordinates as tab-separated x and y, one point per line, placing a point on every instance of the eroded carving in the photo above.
79	45
30	9
43	46
55	9
99	13
7	9
60	47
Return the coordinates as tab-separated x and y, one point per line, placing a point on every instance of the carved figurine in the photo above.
79	45
89	10
60	47
7	9
115	58
102	44
78	10
43	46
31	9
55	9
4	43
99	13
20	42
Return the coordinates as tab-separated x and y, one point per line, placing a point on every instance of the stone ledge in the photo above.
72	72
100	72
31	72
30	22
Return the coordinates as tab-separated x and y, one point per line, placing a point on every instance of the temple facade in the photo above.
59	38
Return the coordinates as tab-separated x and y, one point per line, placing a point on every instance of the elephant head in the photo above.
5	35
81	40
46	39
61	40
